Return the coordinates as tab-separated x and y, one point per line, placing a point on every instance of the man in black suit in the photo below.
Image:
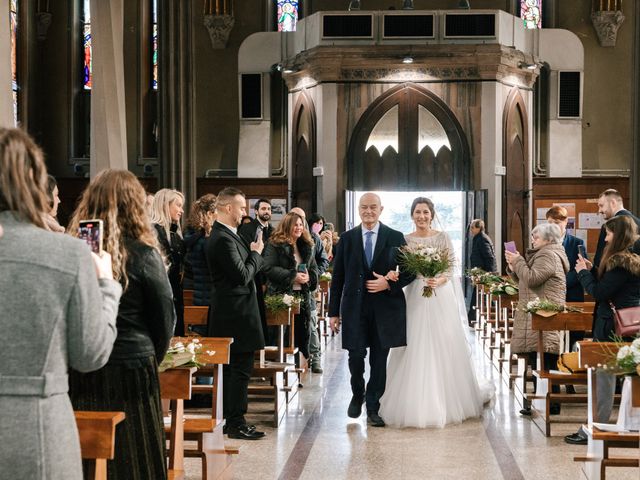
372	309
482	256
234	307
262	209
249	232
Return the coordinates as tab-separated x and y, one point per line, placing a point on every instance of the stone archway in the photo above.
303	184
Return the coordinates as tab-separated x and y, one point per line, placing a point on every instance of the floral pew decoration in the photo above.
496	284
546	308
278	306
181	355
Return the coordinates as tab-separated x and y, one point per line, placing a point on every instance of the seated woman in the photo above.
146	319
541	273
617	280
290	268
56	313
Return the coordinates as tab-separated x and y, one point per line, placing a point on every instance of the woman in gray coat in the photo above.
540	274
56	313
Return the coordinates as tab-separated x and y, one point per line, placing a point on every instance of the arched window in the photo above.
287	16
408	139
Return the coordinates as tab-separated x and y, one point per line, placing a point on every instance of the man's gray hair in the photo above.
549	232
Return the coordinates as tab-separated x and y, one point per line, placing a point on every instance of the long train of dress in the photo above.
431	382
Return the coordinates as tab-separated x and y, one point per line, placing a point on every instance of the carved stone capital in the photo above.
219	28
43	22
607	25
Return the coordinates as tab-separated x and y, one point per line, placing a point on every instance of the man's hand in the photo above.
380	284
258	245
301	278
334	323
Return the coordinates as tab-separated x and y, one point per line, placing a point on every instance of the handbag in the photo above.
568	362
627	320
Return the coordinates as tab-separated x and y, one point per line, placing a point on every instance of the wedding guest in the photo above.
318	226
610	205
69	320
50	218
482	256
197	231
146	319
290	267
234	307
617	281
322	263
167	212
541	273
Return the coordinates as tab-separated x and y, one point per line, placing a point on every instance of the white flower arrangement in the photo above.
180	354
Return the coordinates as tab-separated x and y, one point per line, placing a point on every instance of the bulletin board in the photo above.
584	220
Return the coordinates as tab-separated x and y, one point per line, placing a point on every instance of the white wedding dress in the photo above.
431	382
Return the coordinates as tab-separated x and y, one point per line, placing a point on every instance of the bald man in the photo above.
371	309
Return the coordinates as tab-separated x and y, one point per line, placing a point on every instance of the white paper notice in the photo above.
590	220
541	213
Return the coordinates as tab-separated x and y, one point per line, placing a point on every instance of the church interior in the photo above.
496	109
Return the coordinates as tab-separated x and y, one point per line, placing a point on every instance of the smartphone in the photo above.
91	231
302	268
582	251
510	246
259	234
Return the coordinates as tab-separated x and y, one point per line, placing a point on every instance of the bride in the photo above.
431	382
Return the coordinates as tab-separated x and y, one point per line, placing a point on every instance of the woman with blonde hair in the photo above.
146	318
59	304
165	216
290	267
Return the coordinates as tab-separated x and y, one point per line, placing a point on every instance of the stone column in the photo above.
176	155
108	115
6	98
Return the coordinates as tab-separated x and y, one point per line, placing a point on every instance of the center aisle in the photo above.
317	440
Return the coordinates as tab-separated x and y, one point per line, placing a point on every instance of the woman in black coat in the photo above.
482	256
291	268
617	280
146	319
165	216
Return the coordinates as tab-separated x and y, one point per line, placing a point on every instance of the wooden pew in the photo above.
208	432
598	457
187	298
195	315
97	432
542	399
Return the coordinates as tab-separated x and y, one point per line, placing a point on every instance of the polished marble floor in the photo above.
318	441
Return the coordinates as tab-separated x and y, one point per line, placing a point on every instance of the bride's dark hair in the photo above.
426	200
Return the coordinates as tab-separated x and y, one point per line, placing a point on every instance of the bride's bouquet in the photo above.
427	262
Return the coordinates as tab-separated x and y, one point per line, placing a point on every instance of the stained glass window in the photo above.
287	15
86	46
154	60
13	19
531	13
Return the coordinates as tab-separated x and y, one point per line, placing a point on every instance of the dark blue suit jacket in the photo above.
601	242
348	291
575	292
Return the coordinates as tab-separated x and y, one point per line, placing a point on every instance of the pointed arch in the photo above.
408	164
515	185
304	149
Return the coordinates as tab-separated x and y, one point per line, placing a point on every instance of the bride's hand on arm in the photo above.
379	284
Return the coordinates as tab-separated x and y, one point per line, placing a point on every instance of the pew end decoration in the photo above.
325	277
181	355
545	308
506	287
278	307
425	262
623	359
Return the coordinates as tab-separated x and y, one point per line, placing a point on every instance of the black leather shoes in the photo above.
316	368
355	406
244	432
375	420
575	439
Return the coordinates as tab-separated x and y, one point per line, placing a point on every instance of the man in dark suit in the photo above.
249	232
482	256
234	307
372	309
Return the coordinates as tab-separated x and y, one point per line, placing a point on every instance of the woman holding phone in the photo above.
59	304
290	268
146	319
540	274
